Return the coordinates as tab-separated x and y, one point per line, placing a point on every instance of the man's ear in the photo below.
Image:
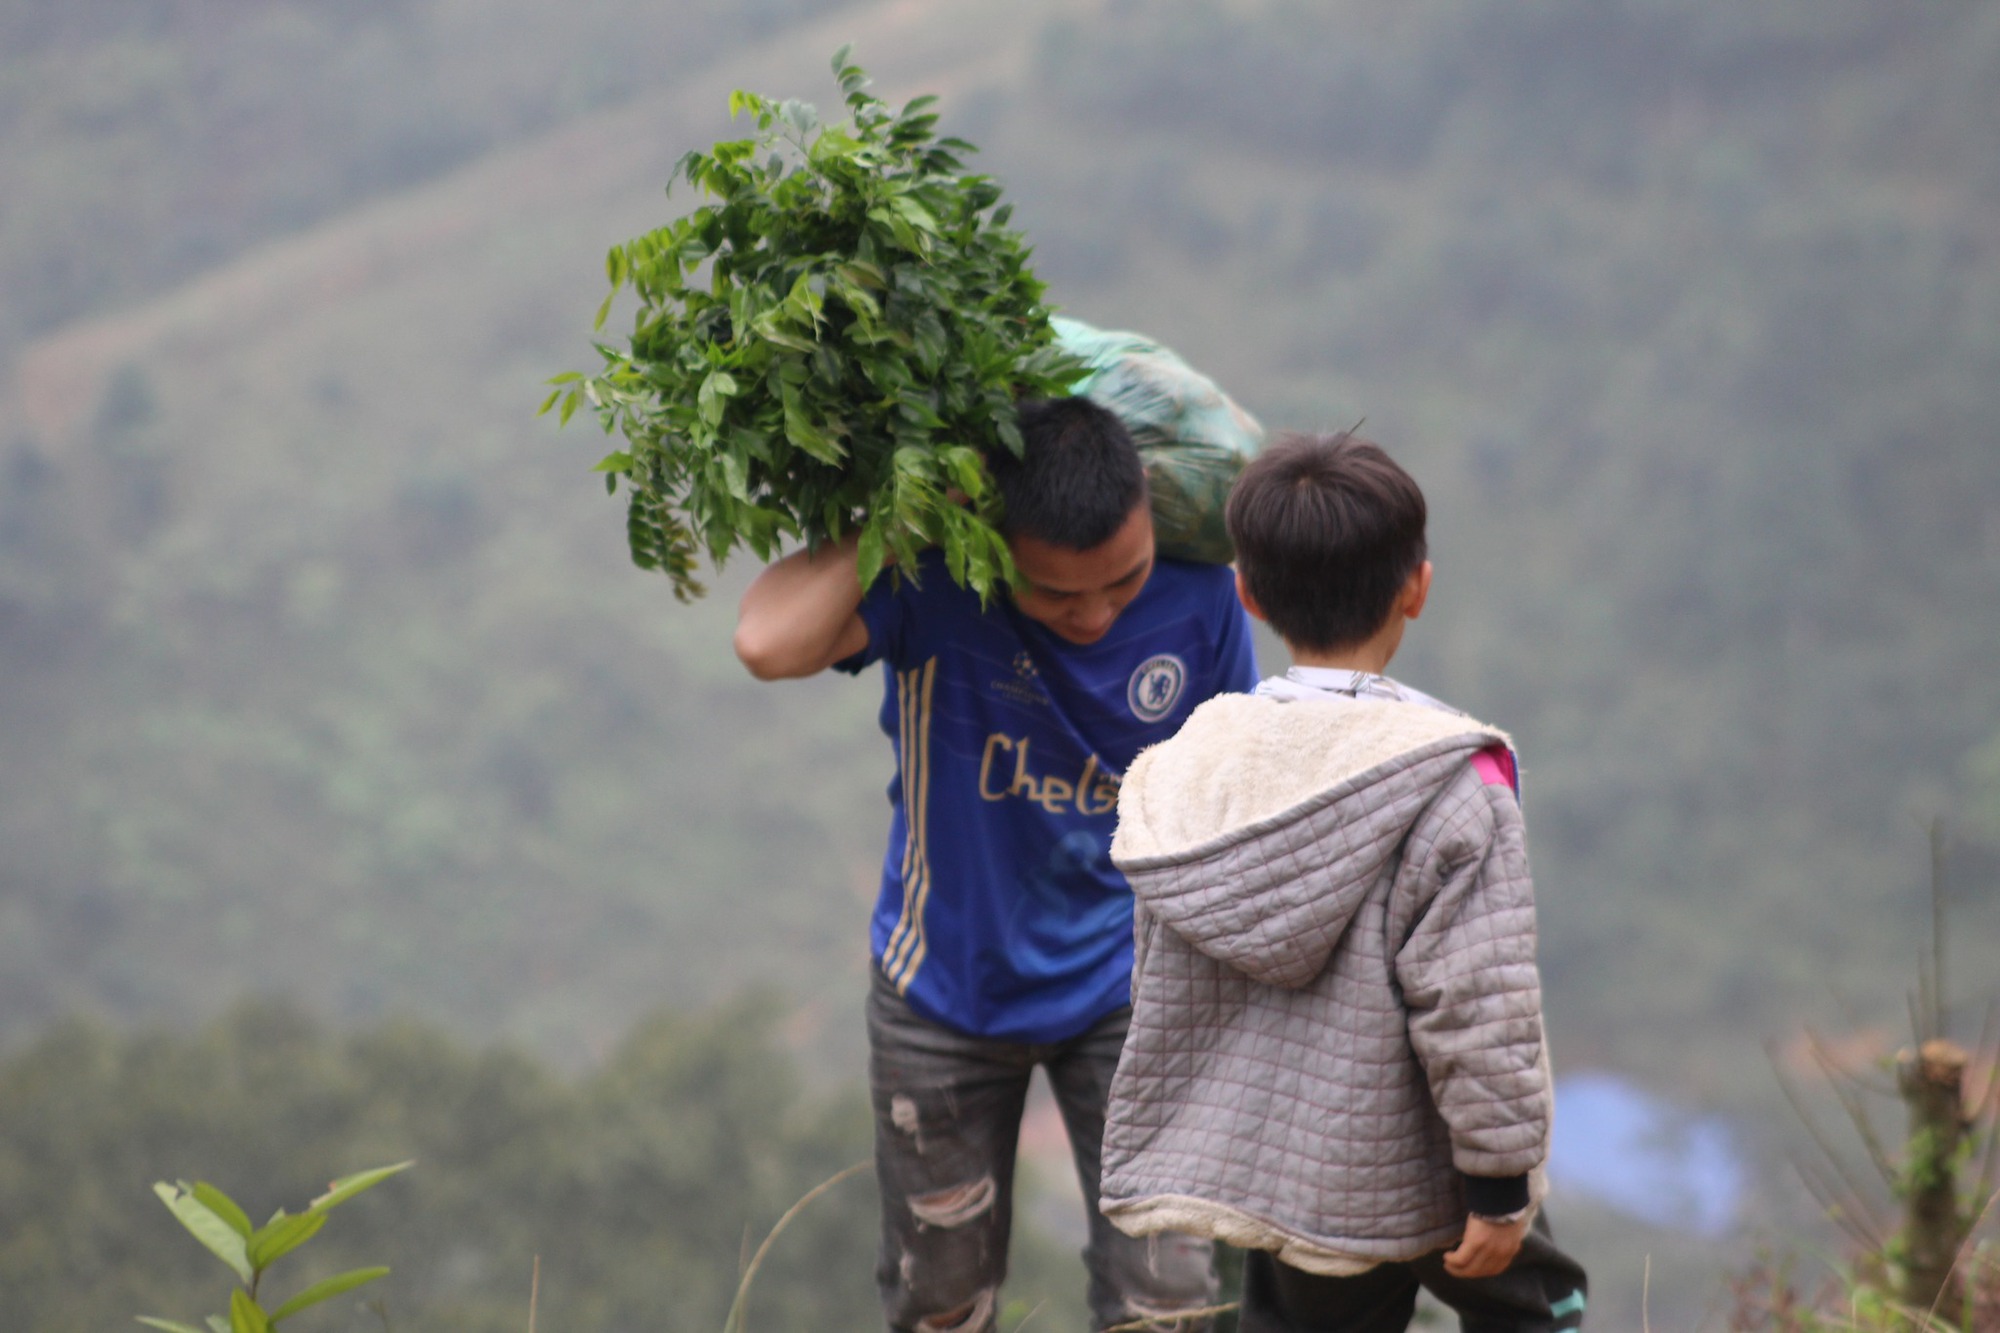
1249	602
1416	591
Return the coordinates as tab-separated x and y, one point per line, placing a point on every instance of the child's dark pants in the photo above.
1542	1290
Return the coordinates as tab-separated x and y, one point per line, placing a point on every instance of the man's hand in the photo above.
1487	1248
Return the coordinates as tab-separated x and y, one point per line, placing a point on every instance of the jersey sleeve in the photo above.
1235	654
884	610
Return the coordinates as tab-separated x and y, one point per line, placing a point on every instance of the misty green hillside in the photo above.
1687	322
145	144
322	669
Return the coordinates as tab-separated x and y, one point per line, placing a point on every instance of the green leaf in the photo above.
170	1326
869	555
800	116
281	1236
340	1191
614	462
223	1207
770	330
854	83
217	1324
805	433
736	475
915	214
327	1290
858	300
719	386
219	1236
968	473
802	304
245	1315
932	344
864	274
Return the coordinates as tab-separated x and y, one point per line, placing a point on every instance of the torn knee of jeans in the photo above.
970	1318
903	1113
956	1206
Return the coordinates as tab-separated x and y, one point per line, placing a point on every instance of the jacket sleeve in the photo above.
1466	965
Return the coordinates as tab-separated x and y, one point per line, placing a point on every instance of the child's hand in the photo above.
1487	1248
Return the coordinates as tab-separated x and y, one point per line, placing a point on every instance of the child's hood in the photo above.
1258	831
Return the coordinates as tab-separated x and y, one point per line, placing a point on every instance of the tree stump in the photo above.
1932	1081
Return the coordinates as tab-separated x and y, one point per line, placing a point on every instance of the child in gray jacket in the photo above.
1336	1057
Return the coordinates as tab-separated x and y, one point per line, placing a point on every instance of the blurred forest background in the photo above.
358	801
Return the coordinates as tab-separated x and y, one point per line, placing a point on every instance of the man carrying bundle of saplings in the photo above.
1002	938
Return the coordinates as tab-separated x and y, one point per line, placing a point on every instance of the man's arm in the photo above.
802	614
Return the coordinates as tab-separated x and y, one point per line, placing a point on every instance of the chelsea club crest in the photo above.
1156	687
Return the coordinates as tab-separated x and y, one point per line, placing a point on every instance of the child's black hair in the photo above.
1079	479
1327	530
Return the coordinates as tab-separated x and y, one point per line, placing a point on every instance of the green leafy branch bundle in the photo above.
219	1222
834	344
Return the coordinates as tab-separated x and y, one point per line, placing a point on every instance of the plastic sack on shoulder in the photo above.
1193	436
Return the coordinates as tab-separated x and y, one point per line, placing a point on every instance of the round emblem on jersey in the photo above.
1156	687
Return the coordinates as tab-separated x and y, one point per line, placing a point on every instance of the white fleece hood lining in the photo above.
1242	765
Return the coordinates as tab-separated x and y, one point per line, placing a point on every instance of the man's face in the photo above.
1077	594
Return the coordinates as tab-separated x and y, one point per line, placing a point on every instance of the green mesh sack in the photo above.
1193	437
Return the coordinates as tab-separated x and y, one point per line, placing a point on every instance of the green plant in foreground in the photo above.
834	344
1928	1268
219	1223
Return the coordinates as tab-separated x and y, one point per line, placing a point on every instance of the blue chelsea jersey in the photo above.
1001	914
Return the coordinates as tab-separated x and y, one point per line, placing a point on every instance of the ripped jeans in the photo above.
947	1124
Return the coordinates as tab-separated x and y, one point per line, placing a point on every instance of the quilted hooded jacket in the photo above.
1336	1011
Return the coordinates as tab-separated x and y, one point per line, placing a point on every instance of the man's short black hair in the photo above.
1078	480
1328	530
